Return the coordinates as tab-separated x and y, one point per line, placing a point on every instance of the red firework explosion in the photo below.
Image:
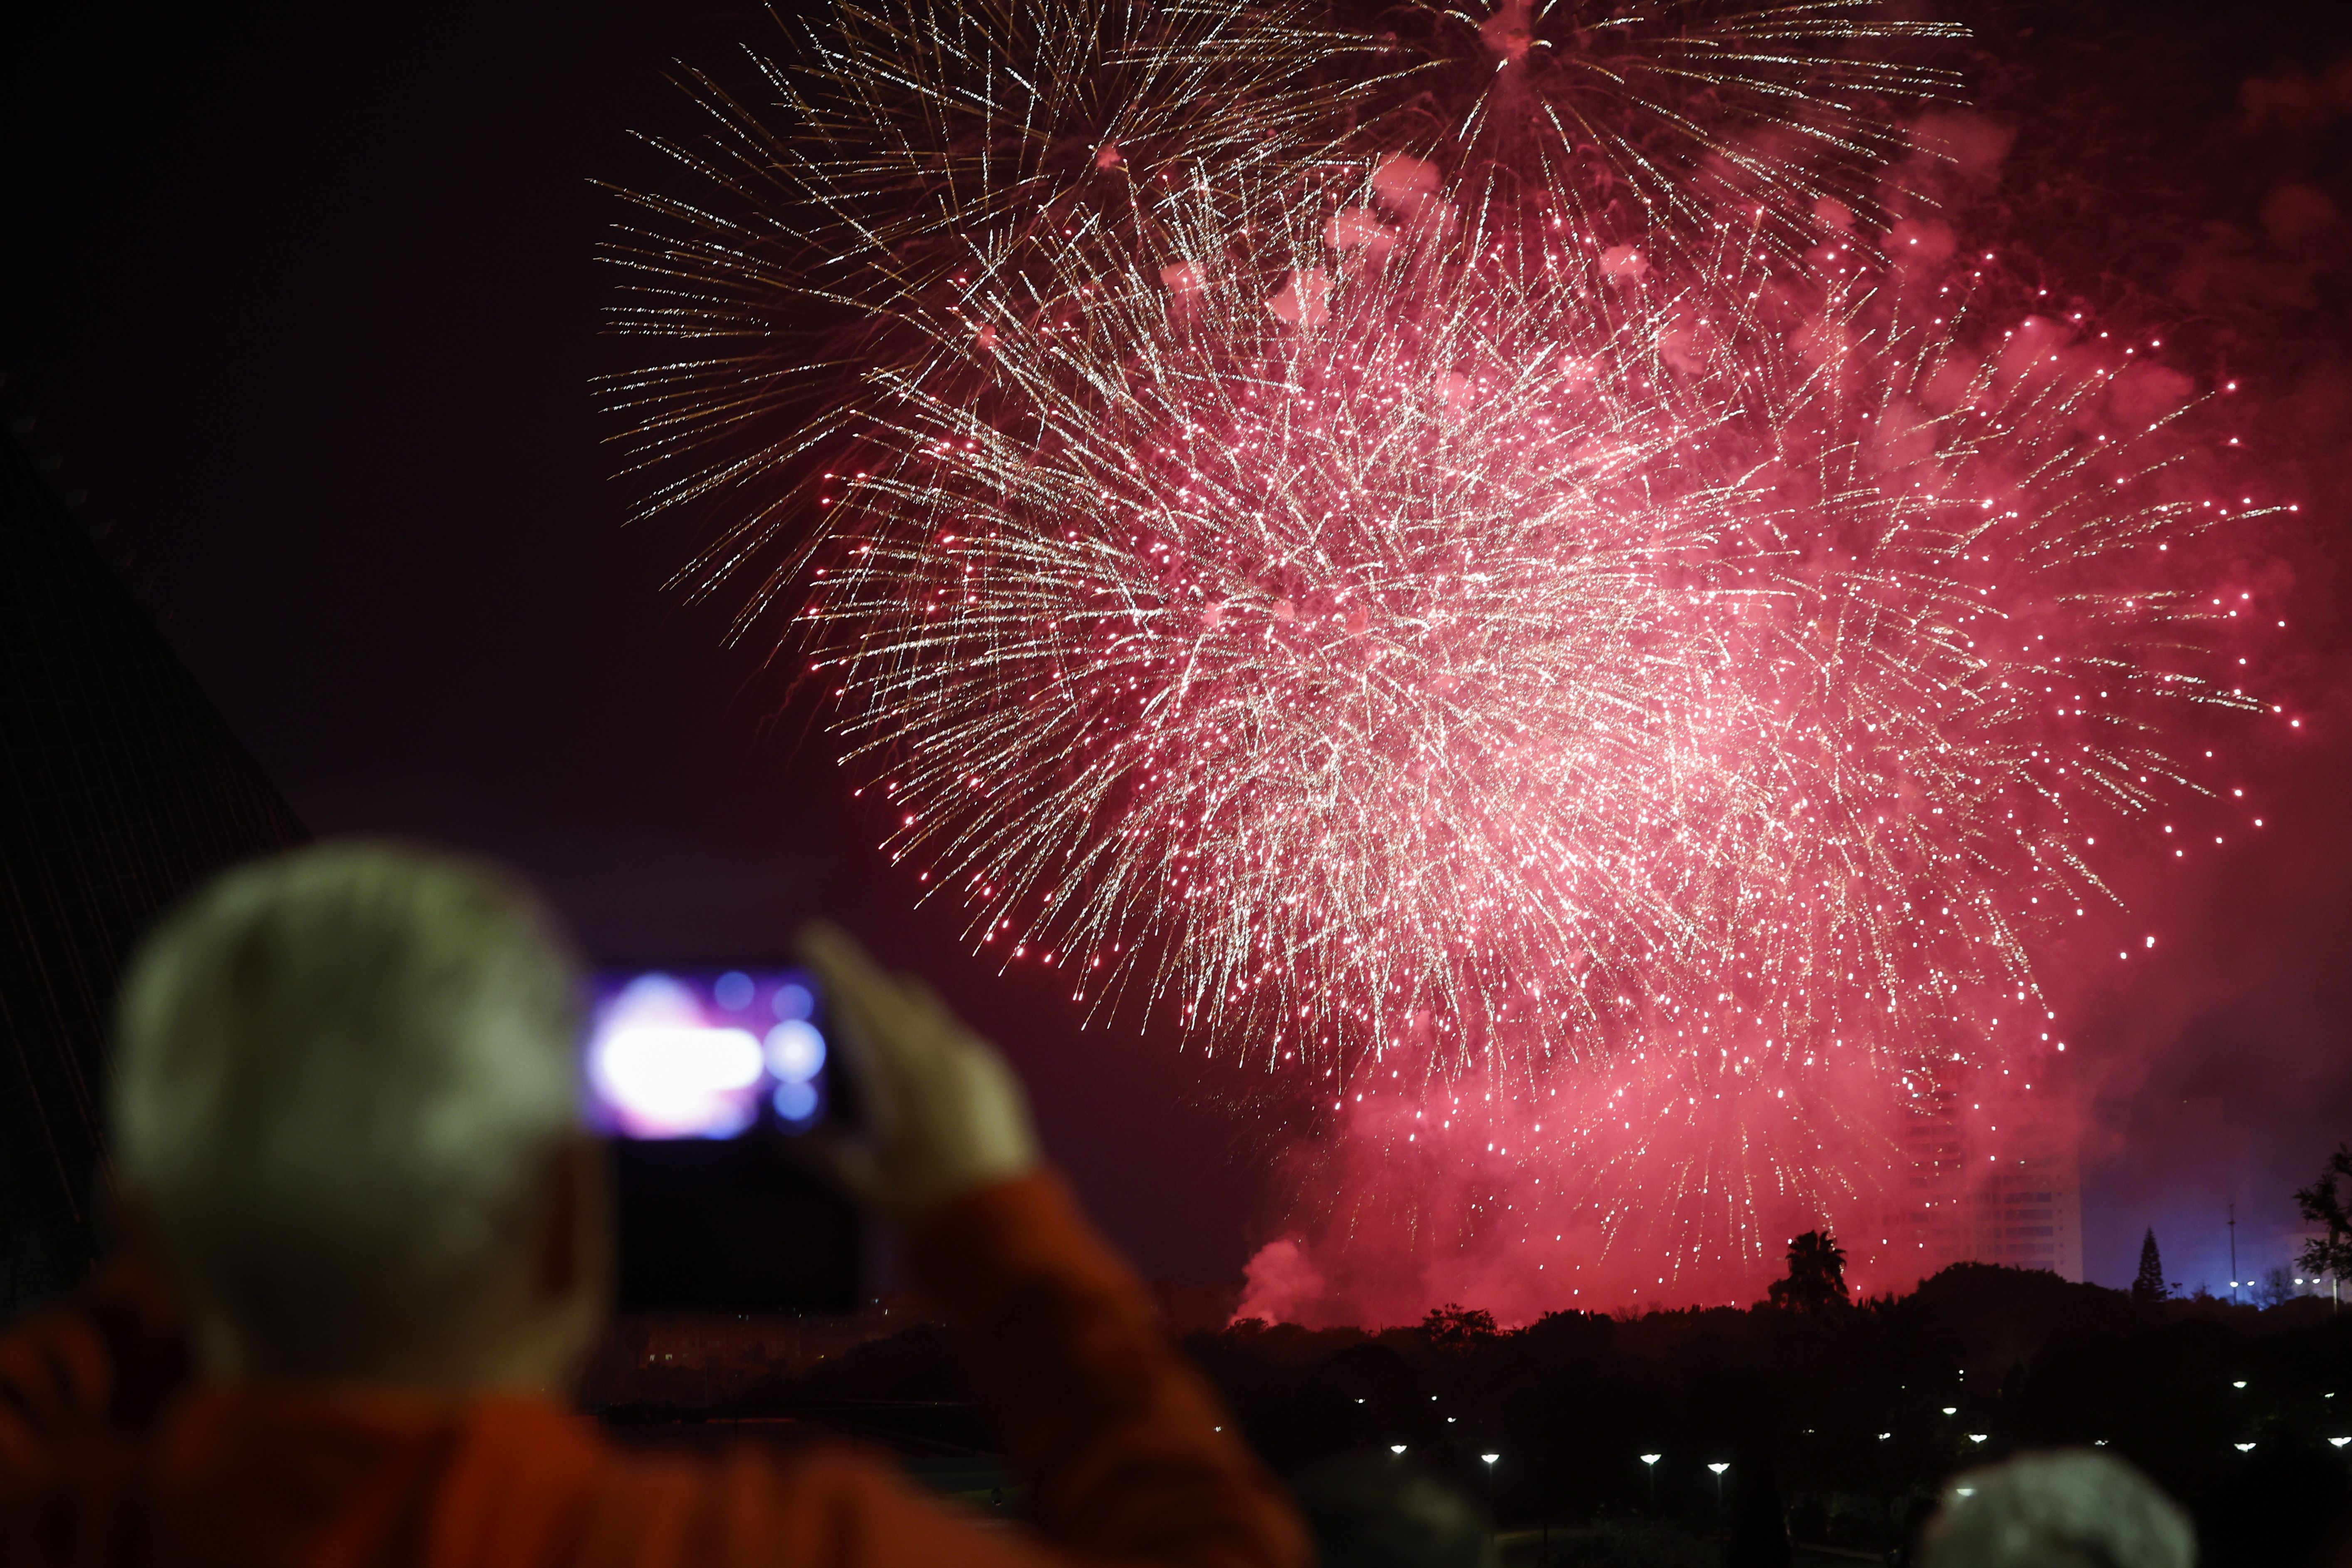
1629	692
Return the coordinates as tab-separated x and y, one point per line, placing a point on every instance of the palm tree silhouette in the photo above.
1816	1278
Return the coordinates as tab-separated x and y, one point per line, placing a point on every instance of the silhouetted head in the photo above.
1379	1511
2069	1509
346	1113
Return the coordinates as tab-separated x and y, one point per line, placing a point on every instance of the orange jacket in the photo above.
108	1457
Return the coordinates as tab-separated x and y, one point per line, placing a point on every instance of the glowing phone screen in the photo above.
679	1053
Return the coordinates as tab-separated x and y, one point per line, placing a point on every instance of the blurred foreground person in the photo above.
346	1121
2069	1509
1380	1511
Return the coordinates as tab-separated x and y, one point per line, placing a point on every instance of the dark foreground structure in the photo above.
1839	1422
120	787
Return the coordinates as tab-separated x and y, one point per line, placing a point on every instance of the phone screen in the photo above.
705	1080
707	1053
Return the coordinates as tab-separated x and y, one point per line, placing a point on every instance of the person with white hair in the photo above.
2066	1509
346	1118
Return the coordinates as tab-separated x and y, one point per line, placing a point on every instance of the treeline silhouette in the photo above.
1842	1419
1845	1419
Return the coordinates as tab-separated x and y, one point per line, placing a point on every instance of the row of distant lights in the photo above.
1719	1466
1399	1449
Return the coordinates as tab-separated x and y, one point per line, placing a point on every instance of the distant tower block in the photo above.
2028	1212
1934	1213
1991	1186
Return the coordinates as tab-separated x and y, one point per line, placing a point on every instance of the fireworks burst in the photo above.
1655	667
1649	123
923	175
1413	657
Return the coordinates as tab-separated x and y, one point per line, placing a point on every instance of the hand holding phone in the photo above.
741	1102
945	1113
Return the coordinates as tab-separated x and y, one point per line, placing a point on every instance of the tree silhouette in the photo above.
2331	1254
2147	1285
1816	1278
1455	1328
2277	1288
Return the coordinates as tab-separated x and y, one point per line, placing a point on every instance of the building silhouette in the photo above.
120	787
2028	1212
1992	1181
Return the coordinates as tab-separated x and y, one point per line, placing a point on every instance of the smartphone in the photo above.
704	1080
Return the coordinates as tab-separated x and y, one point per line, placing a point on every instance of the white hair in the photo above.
342	1072
2068	1508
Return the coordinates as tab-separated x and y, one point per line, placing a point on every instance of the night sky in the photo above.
305	308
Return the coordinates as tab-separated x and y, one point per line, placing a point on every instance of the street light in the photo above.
2338	1442
1951	1410
2243	1447
1490	1458
1396	1447
1650	1463
1976	1437
1718	1468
